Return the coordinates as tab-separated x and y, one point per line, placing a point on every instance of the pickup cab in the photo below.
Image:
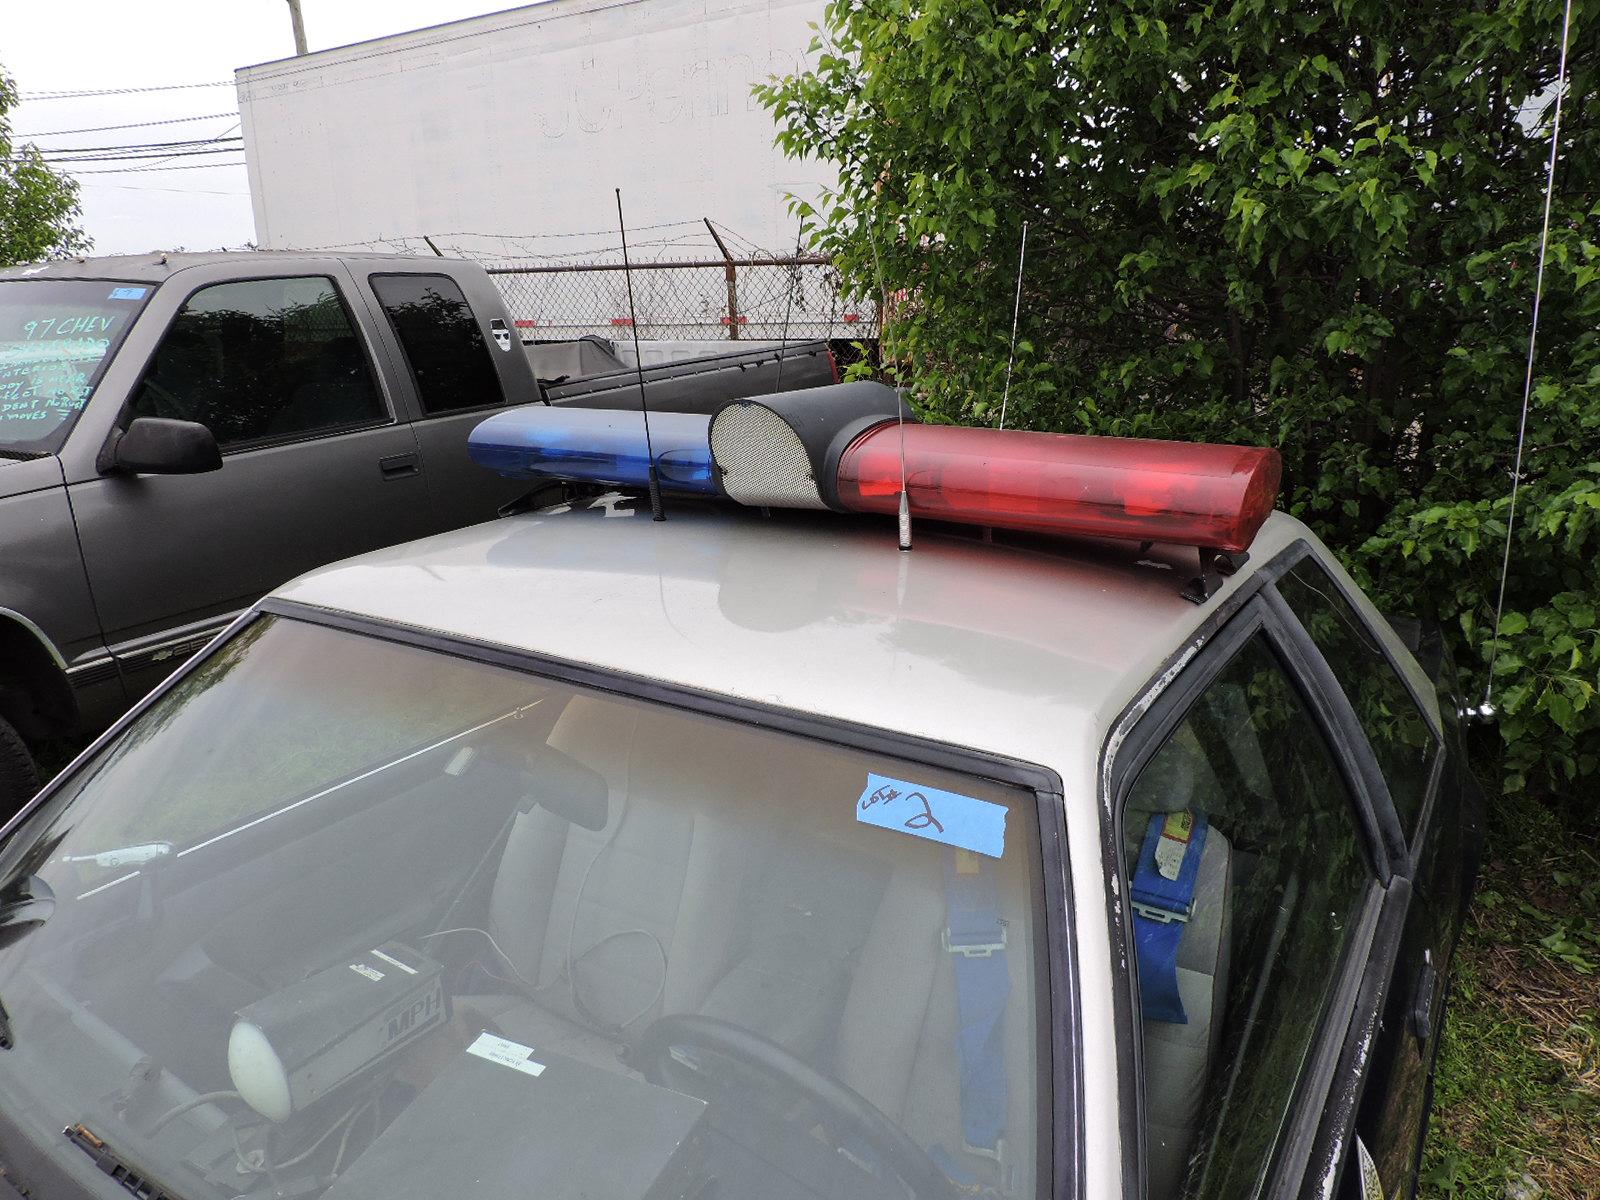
181	432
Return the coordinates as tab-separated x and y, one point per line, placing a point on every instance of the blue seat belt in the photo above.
975	937
1163	900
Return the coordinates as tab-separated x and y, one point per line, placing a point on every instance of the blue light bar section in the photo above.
591	445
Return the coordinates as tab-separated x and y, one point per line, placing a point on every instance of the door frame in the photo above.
1136	735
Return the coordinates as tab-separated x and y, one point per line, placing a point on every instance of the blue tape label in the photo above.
128	293
945	817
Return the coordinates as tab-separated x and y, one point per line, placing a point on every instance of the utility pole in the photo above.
299	27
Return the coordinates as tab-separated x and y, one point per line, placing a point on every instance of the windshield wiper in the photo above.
8	452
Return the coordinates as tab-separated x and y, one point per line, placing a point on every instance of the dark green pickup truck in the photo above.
179	433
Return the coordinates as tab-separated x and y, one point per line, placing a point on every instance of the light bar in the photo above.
1188	494
604	446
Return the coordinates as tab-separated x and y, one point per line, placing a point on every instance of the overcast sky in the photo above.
105	44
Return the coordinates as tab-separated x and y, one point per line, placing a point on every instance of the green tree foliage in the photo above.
38	207
1305	223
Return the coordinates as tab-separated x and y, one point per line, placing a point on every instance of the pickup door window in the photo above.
1248	875
443	345
262	360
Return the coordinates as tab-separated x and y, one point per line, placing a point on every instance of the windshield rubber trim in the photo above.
1063	1140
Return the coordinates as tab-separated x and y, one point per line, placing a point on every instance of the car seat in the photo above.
603	930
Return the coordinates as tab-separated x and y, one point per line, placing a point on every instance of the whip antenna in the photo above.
1016	312
900	406
638	369
789	311
1487	709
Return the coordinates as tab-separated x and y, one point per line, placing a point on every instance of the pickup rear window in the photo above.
447	352
56	335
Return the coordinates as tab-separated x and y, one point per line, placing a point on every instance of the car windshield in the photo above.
344	915
55	337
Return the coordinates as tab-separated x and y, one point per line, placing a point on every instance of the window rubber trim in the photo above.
1441	745
1064	1137
1134	738
1325	1129
1331	704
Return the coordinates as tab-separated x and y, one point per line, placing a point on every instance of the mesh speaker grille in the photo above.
762	460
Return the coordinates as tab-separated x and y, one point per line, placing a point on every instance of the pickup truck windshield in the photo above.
55	337
350	917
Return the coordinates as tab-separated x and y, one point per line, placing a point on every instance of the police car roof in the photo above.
1016	651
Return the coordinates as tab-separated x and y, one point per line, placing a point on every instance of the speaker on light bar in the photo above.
783	450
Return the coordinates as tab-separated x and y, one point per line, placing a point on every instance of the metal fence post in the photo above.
731	274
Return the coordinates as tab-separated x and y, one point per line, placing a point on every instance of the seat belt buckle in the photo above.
972	950
1160	915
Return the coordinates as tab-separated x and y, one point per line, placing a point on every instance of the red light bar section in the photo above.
1188	494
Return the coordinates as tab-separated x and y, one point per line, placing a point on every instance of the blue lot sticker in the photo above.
127	293
926	812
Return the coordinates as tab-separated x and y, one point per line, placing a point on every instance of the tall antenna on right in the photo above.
1487	708
638	369
900	407
794	285
1016	312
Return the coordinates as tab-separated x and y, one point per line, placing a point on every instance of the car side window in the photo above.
1246	872
1399	733
262	359
439	334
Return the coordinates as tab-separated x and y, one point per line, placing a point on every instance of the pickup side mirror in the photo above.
163	446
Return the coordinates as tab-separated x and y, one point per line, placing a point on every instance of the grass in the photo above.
1518	1099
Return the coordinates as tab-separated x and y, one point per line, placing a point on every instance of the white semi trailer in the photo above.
522	122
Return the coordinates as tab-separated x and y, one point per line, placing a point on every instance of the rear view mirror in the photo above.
163	446
543	776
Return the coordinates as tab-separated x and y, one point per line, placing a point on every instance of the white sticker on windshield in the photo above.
507	1053
127	293
363	969
964	822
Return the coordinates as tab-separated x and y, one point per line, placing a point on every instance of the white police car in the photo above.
742	855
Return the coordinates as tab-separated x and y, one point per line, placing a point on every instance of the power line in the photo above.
166	87
139	170
134	157
132	187
131	125
48	150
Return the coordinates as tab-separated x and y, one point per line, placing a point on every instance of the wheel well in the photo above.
35	695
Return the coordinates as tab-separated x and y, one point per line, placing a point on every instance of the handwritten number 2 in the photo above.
924	819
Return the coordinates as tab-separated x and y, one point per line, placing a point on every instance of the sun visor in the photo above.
783	450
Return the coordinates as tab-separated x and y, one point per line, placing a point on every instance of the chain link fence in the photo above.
756	299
